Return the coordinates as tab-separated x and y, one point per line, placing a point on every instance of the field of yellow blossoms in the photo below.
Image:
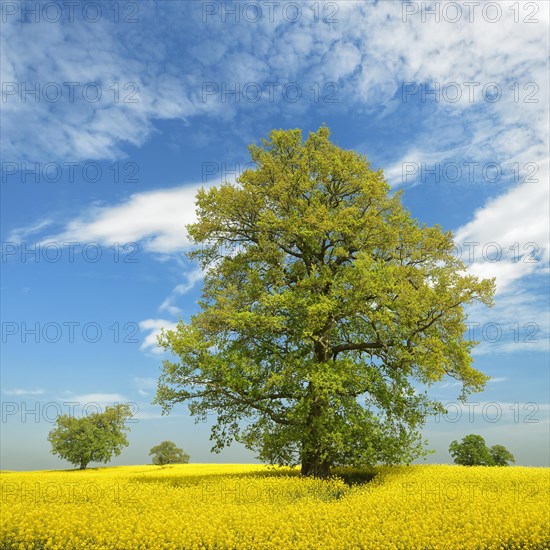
200	506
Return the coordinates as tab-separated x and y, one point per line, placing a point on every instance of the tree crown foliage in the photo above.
168	453
472	451
96	437
323	300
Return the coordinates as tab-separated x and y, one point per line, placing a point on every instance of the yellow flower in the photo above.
207	506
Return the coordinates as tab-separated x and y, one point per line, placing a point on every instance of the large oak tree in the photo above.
324	302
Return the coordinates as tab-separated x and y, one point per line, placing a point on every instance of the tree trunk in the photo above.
82	465
313	466
312	462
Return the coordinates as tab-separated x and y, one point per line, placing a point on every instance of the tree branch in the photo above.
360	346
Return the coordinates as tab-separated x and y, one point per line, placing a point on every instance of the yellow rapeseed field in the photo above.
200	506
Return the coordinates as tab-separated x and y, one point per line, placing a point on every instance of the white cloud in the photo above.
23	392
99	398
157	219
142	415
518	322
516	225
135	92
19	234
519	216
145	383
154	326
145	386
355	47
192	278
498	380
407	171
344	58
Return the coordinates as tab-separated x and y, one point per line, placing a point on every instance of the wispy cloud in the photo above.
519	216
154	327
23	392
156	219
498	380
97	398
145	386
192	278
134	91
517	323
353	53
19	234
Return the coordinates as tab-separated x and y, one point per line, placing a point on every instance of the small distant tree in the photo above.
96	437
501	455
472	451
167	453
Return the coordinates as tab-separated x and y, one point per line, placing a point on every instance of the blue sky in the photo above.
114	114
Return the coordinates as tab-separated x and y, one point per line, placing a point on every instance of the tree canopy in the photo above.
96	437
501	455
472	451
168	453
323	302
